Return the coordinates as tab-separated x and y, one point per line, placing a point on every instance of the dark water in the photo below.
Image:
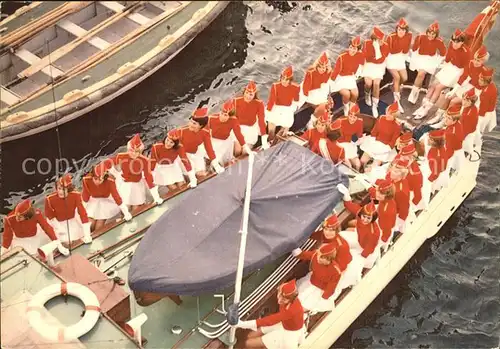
448	294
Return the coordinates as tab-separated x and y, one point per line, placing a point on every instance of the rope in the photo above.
59	149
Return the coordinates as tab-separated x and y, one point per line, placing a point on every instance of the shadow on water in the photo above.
166	96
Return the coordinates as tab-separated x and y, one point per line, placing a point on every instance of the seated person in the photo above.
100	196
26	227
320	110
168	159
351	126
315	87
329	147
386	209
414	177
435	168
318	286
313	135
284	329
397	174
469	119
380	145
61	208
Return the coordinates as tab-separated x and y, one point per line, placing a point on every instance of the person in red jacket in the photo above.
375	51
249	110
366	228
321	110
315	88
318	286
61	208
404	140
282	103
456	62
197	143
312	136
284	329
386	209
399	46
348	68
397	174
329	234
488	96
468	80
469	119
380	145
436	165
454	135
414	177
136	175
167	158
349	127
423	59
329	148
100	196
26	227
224	128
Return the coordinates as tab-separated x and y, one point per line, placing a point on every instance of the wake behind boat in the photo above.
337	283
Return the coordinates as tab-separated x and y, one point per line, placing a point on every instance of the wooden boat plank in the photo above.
8	97
61	51
32	59
117	7
78	31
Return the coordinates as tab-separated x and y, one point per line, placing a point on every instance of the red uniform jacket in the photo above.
324	277
313	136
488	99
344	256
291	317
163	156
469	119
386	131
369	52
192	140
281	95
387	213
63	209
459	58
134	169
24	229
472	72
368	234
250	112
426	47
438	160
402	197
348	130
333	151
103	190
313	80
415	182
399	45
222	130
347	65
454	137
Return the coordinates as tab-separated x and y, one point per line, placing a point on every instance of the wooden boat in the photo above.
60	60
199	321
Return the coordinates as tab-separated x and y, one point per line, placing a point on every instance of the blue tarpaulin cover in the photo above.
193	248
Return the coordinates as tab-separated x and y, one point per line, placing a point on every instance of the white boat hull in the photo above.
427	224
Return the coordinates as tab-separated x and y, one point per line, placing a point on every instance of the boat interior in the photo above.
66	38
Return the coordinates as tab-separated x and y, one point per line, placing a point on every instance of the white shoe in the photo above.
438	125
408	125
368	99
375	107
400	107
413	97
346	109
419	110
438	116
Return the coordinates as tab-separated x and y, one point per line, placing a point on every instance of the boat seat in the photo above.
8	97
259	293
117	7
31	59
78	31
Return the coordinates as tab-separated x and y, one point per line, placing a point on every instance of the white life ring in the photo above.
64	334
